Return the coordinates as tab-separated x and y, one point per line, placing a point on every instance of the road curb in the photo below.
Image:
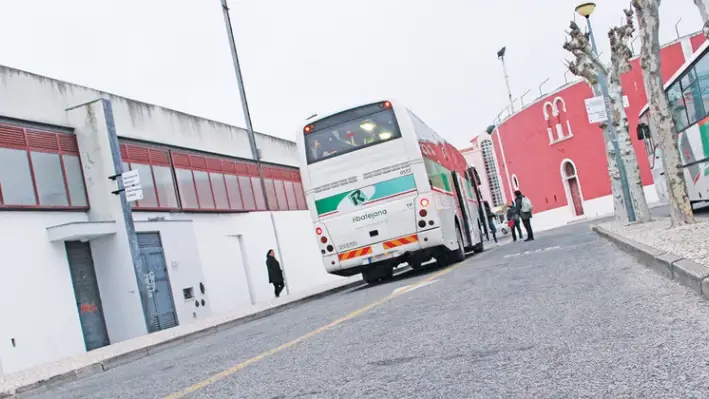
688	273
148	350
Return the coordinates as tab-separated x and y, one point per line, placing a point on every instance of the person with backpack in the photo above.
524	210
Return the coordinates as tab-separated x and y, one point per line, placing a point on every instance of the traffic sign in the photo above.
131	178
596	109
134	193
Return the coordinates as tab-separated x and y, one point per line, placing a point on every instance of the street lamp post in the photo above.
501	57
585	10
250	131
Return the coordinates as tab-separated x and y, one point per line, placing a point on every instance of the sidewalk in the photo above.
100	360
681	253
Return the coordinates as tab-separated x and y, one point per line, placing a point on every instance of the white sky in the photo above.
301	57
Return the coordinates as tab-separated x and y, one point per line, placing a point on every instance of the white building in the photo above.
481	155
68	271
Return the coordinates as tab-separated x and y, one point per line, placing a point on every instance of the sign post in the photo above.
131	185
596	109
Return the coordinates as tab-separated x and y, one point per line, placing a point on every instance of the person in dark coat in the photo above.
513	221
275	274
524	210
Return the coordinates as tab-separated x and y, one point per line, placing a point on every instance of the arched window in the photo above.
515	182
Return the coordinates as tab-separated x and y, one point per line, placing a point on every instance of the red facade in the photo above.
537	164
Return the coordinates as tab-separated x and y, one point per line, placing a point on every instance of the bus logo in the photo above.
357	197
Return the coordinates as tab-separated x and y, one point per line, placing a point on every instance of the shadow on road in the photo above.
407	273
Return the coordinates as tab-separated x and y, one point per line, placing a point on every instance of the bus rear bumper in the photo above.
378	255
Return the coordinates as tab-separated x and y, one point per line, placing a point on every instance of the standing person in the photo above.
524	209
491	221
275	274
513	221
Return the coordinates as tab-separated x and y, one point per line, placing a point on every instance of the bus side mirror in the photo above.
643	131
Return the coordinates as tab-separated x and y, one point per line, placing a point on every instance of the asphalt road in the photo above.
567	315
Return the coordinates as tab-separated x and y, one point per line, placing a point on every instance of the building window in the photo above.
491	171
208	183
40	169
156	179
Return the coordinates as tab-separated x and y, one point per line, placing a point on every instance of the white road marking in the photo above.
415	288
532	252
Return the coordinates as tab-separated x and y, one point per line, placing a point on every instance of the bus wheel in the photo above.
458	255
370	276
479	247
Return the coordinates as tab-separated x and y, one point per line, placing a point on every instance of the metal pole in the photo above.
611	132
677	28
521	99
541	93
250	131
507	82
126	210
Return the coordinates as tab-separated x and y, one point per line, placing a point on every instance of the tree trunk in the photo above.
703	6
660	116
616	186
613	172
625	145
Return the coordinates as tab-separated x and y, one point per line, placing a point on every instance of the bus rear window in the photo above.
350	135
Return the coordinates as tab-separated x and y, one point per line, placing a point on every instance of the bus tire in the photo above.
479	247
457	255
370	277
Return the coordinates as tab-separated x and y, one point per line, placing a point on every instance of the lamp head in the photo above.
501	53
586	9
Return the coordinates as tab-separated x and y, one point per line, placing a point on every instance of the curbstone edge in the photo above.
690	274
686	272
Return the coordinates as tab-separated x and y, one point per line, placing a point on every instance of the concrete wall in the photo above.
593	208
40	311
36	98
232	249
184	266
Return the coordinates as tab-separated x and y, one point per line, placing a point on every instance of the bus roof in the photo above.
336	110
701	50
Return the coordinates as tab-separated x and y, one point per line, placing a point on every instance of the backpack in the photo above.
526	205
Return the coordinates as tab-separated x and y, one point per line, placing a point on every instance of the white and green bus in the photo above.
384	189
688	94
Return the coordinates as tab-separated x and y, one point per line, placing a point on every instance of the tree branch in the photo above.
586	63
620	50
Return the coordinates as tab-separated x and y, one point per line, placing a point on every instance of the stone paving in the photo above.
688	241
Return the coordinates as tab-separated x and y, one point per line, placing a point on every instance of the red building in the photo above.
550	151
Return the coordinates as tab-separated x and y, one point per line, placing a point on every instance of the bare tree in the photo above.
703	6
620	63
660	116
587	65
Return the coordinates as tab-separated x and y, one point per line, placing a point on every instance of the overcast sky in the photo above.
301	57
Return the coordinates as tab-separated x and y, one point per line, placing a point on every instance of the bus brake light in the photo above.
424	202
318	231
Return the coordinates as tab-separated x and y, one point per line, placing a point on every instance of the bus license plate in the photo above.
377	258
